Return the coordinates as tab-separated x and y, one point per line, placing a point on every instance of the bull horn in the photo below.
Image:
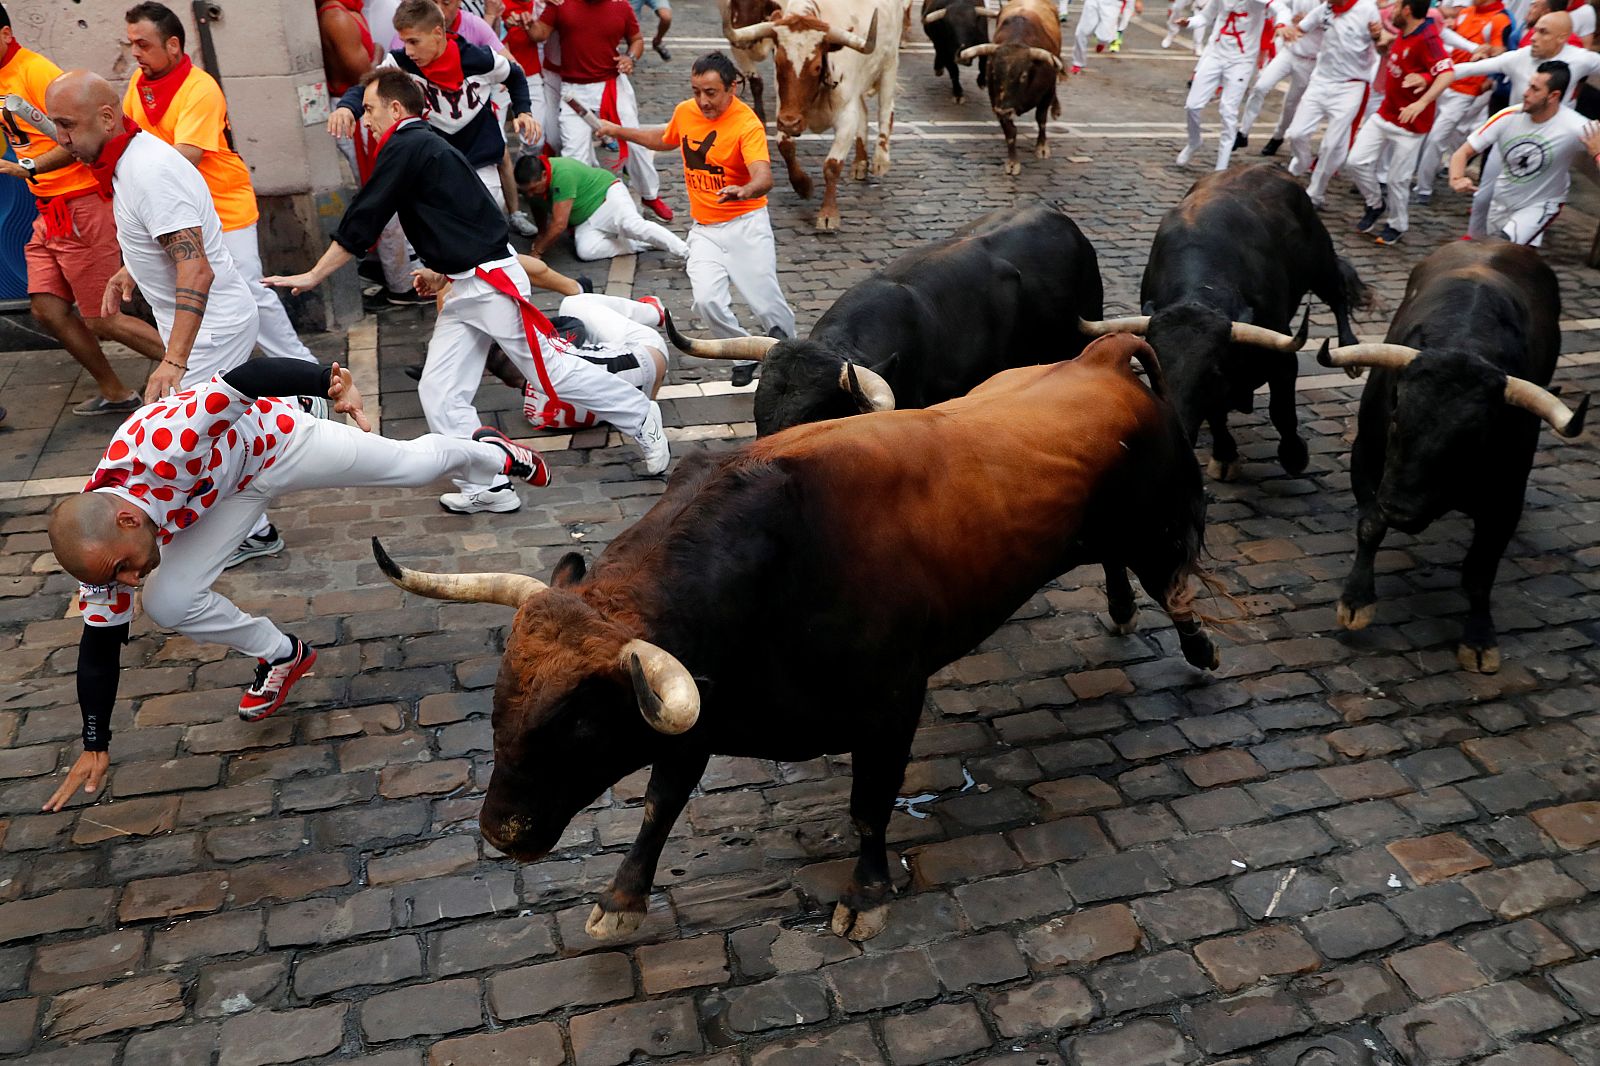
745	36
1137	325
867	386
935	16
969	54
510	589
1547	405
1044	55
986	13
846	39
728	348
668	697
1262	337
1382	355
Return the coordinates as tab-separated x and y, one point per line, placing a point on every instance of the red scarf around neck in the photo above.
156	94
378	148
11	49
1341	6
445	70
105	168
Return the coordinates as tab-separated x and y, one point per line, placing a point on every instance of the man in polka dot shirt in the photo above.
184	479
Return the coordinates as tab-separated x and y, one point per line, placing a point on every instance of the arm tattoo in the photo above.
194	296
194	309
183	244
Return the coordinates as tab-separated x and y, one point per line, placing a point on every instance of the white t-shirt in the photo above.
1519	67
156	191
1537	156
1582	18
1310	42
1235	28
1347	52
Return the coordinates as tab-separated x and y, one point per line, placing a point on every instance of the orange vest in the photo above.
198	115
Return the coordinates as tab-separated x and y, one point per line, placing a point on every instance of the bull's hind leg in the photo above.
1119	597
1285	417
955	83
1224	464
757	100
1479	650
1356	602
1008	126
798	178
879	768
858	170
620	909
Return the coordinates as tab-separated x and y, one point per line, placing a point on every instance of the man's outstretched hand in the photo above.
88	773
347	398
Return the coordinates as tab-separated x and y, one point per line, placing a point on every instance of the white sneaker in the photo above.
1186	155
1166	42
501	499
522	225
652	441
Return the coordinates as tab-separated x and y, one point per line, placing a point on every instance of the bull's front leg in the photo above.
1357	601
1041	147
757	102
621	907
859	169
1479	650
848	126
879	768
798	178
1008	127
955	82
886	87
1165	577
1224	464
1285	417
1119	597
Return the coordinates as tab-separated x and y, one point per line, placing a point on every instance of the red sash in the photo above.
11	49
105	168
609	112
540	331
156	94
57	215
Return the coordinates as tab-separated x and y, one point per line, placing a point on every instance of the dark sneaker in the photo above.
1240	141
1369	218
99	405
406	298
1272	146
524	463
1390	235
1423	199
274	680
661	50
585	283
414	371
254	547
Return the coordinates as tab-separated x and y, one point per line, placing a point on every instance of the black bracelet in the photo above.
180	366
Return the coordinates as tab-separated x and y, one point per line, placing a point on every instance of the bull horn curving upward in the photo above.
986	13
668	697
1136	324
1547	405
728	348
967	55
935	16
846	39
745	36
1382	355
1044	55
1262	337
873	392
509	589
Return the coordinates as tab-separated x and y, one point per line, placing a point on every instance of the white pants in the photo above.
217	353
276	333
320	455
475	315
1232	75
1376	135
1099	18
742	251
1124	16
1338	103
1483	199
617	228
489	174
1284	66
619	328
1524	225
577	139
1457	115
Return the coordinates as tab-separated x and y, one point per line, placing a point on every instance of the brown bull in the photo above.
1024	63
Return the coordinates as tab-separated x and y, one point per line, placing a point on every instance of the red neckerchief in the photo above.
11	49
1493	7
445	70
1341	6
105	168
455	26
390	133
156	94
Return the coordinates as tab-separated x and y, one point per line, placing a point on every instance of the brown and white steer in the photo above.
831	55
736	15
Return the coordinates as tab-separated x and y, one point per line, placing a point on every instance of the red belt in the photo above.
54	211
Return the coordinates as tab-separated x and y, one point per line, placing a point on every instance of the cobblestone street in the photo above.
1337	850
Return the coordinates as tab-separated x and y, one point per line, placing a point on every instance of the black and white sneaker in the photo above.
1390	235
524	463
254	547
1369	218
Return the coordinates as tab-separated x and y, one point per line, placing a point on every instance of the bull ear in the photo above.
569	571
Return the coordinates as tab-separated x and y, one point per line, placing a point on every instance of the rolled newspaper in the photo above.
583	113
30	114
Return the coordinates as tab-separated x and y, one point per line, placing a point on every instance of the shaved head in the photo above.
87	112
1550	34
99	538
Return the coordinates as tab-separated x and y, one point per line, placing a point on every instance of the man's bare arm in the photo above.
186	249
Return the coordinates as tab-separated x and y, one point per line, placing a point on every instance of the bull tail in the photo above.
1181	596
1357	294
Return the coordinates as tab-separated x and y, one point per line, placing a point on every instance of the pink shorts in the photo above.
78	265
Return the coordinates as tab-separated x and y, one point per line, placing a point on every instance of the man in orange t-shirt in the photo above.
183	105
73	251
728	171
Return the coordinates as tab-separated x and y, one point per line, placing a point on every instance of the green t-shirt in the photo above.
584	185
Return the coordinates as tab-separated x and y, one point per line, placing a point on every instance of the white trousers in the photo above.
552	110
617	228
1099	18
1338	103
489	174
217	353
1457	115
742	251
577	139
1196	24
1524	225
1377	135
319	455
1232	75
475	315
276	333
1483	199
1296	70
619	327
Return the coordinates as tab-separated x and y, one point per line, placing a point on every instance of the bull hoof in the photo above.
1479	660
880	163
1220	471
959	99
1200	651
1128	628
801	186
858	170
1356	618
860	925
1013	168
827	221
1042	151
612	925
1292	454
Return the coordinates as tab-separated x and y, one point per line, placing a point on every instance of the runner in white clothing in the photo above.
1177	20
1294	62
1227	62
1337	92
1099	20
1538	142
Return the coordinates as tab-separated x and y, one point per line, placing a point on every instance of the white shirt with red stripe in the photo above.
175	458
1236	28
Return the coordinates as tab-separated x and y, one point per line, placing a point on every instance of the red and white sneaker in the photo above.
274	680
659	206
661	310
524	463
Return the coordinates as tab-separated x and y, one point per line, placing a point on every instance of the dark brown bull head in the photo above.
804	42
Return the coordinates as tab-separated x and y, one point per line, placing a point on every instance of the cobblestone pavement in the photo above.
1338	849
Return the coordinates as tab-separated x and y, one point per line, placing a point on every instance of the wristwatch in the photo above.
29	166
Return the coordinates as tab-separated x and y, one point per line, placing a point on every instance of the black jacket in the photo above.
446	212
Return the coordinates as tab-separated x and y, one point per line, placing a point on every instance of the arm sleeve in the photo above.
375	203
1455	40
203	122
1476	66
672	136
279	377
99	666
1487	134
753	143
351	100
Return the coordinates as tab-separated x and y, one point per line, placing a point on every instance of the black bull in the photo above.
1006	290
952	27
809	583
1449	417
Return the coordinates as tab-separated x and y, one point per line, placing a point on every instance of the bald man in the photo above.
184	478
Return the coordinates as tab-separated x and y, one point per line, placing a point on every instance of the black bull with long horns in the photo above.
790	600
1450	416
1007	290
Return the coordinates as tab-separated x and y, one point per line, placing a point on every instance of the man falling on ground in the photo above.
595	205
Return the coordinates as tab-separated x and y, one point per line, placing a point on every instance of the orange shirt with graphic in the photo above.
716	154
198	115
28	75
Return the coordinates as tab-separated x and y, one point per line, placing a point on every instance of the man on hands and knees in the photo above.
595	205
183	479
460	234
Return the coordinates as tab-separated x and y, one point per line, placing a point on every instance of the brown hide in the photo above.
1029	23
